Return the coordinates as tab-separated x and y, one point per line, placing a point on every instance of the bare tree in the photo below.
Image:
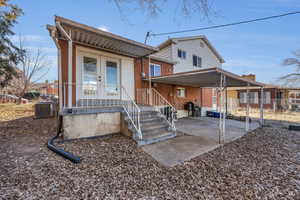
154	7
292	78
33	67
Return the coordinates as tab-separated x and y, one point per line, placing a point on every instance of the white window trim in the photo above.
197	63
181	89
155	65
184	58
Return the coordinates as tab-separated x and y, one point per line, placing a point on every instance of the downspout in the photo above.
59	71
70	54
61	152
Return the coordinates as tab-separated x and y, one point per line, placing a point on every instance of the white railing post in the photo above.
262	106
247	109
162	102
133	112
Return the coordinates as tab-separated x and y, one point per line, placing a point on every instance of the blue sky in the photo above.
251	48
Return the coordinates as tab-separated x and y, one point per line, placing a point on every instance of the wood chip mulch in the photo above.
264	164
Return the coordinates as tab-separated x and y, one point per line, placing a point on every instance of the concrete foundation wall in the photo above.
90	125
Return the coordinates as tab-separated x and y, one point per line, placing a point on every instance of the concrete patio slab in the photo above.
201	135
177	150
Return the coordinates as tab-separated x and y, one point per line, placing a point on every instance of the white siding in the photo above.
165	53
127	76
193	47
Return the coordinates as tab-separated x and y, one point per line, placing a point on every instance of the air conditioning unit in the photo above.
45	110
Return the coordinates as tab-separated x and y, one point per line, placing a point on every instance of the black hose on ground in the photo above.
61	152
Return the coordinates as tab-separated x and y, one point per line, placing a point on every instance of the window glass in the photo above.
155	69
197	61
194	60
89	76
180	92
111	77
267	97
184	54
181	54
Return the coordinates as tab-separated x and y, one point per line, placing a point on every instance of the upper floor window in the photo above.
155	69
197	61
181	54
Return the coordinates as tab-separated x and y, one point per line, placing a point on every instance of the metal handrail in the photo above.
159	100
152	97
133	112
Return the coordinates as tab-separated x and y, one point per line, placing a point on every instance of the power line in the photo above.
225	25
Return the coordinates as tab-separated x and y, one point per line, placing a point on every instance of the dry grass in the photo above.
12	111
270	115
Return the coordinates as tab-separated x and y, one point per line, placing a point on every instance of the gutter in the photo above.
70	54
52	34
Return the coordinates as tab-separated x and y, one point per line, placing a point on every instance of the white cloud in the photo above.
104	28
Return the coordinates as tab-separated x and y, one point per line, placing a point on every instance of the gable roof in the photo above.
202	37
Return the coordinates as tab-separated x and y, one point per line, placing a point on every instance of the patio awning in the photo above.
96	38
209	77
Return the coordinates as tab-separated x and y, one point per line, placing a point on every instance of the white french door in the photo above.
100	77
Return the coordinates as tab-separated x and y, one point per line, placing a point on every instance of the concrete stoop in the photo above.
154	127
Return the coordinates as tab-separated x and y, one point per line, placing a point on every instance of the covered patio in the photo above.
196	136
220	79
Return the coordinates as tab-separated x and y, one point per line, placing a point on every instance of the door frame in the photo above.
102	57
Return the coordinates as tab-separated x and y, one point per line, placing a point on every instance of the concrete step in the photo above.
150	120
147	108
154	126
155	131
150	139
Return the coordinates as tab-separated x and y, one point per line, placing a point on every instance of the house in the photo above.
276	98
191	54
110	84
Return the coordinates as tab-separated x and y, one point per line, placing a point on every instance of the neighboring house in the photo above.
274	97
108	84
46	88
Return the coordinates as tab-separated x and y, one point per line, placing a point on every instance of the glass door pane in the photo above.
111	77
89	77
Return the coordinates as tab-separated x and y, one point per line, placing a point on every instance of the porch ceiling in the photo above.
209	77
103	40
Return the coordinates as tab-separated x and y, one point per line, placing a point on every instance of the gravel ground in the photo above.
264	164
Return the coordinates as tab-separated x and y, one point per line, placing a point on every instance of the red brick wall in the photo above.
142	65
64	65
207	97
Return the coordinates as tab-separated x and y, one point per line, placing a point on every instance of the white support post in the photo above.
150	81
220	106
247	109
70	55
224	107
261	106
